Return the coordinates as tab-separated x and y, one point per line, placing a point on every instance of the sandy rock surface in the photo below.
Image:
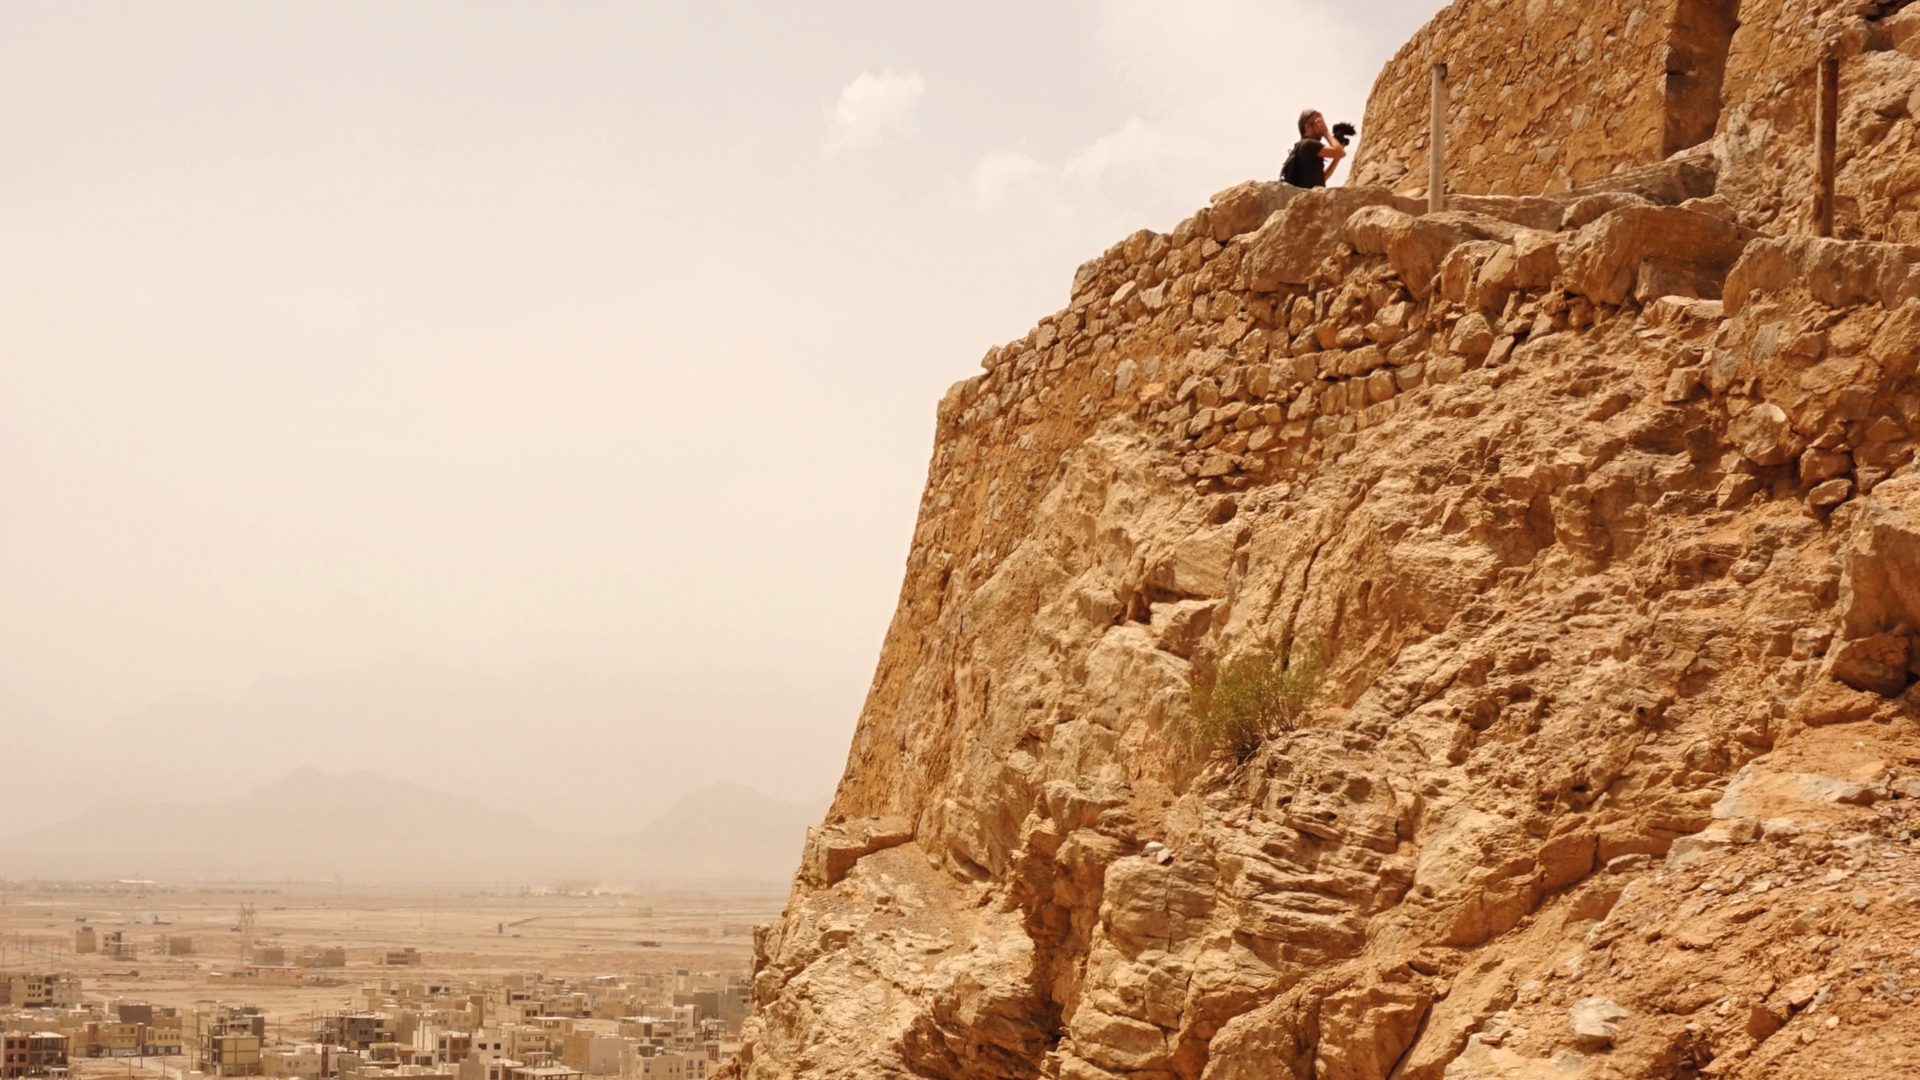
1599	507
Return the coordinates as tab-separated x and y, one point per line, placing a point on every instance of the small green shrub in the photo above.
1236	706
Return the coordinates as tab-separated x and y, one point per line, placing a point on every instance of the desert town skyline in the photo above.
167	982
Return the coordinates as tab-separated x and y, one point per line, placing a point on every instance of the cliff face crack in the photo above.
1306	578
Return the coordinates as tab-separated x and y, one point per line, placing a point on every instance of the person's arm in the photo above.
1330	155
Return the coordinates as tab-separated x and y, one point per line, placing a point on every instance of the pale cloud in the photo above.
1125	159
1005	176
873	107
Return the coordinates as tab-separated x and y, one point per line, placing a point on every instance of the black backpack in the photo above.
1305	167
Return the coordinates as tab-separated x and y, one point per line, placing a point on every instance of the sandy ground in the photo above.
462	935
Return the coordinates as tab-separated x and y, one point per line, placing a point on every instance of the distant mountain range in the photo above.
360	826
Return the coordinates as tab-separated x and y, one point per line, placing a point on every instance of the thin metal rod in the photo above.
1827	144
1437	143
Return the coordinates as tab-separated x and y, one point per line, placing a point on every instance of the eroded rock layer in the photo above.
1599	507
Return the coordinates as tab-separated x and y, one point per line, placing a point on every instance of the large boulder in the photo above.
1607	260
1526	211
1765	435
1691	174
1371	229
1880	592
1416	246
1536	257
1293	243
1588	209
832	849
1838	273
1417	252
1880	586
1245	207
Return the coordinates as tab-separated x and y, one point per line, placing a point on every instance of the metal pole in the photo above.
1437	143
1827	142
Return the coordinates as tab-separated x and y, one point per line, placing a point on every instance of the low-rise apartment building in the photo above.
108	1038
32	1053
669	1065
542	1072
593	1053
135	1028
307	1061
37	990
115	946
334	956
230	1040
396	1072
452	1047
360	1030
231	1055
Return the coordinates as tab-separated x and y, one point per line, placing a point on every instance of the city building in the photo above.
230	1040
670	1065
115	946
34	990
160	1027
33	1053
593	1053
165	1032
108	1038
333	956
360	1031
542	1072
305	1061
231	1055
452	1047
233	1020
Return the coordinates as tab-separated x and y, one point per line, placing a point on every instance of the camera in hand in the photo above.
1344	133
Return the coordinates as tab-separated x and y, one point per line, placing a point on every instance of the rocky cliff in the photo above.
1598	504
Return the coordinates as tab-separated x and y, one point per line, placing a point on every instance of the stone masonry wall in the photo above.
1547	97
1544	96
1766	139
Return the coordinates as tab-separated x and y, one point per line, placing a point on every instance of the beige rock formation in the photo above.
1549	97
1600	508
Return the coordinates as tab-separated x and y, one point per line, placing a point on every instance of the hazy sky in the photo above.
533	400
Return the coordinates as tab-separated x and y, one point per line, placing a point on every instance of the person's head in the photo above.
1312	124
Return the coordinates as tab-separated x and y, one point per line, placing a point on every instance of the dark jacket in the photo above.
1305	167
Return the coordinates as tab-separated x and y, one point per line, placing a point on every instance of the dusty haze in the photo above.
531	402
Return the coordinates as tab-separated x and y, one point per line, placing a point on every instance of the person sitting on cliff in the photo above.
1316	155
